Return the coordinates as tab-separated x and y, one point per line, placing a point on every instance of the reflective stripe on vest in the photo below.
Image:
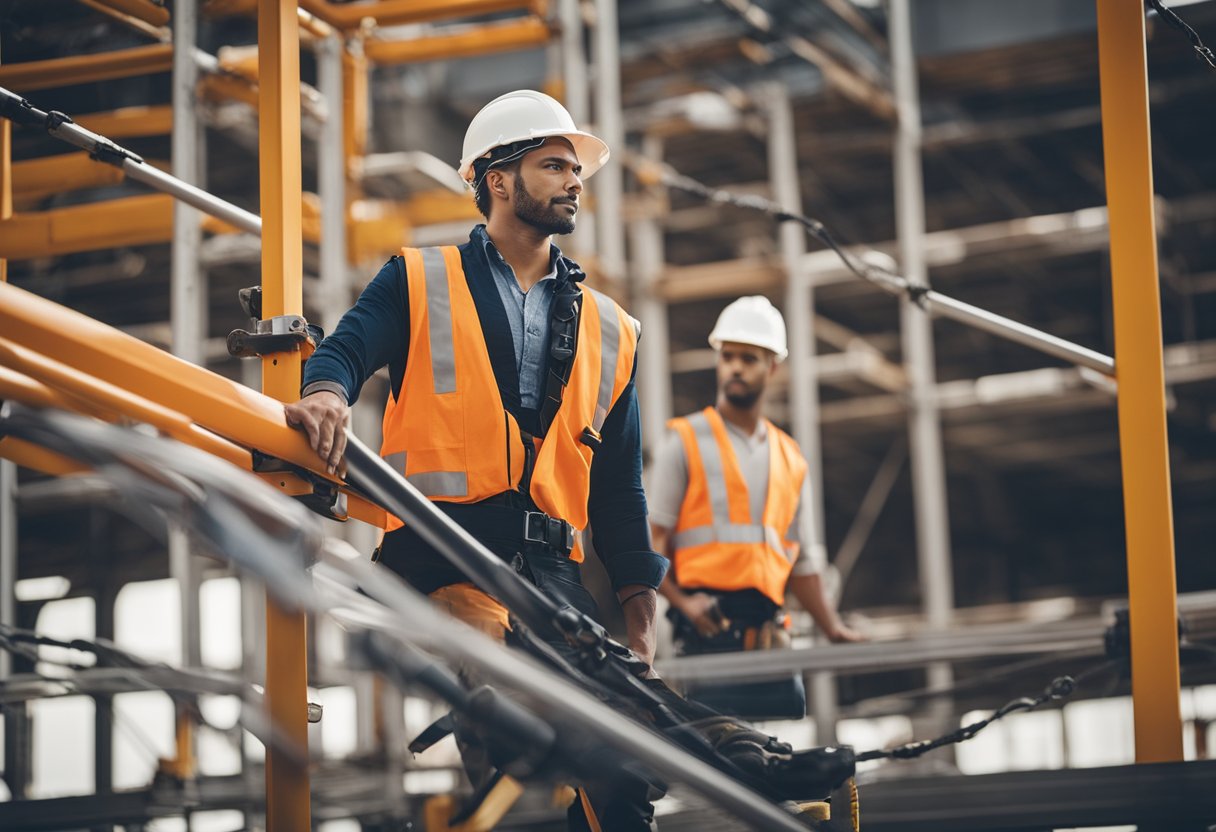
610	346
447	429
717	542
439	321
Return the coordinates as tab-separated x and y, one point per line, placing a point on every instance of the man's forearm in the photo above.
640	607
812	595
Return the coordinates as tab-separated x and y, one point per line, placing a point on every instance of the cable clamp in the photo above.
917	293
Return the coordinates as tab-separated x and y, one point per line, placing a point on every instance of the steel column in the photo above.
654	371
331	182
8	555
576	98
609	183
924	428
804	378
287	780
8	471
187	321
1143	439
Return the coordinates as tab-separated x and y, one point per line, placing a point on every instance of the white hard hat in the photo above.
751	320
527	114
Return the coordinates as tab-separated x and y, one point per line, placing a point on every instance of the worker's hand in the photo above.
844	634
639	605
702	610
324	416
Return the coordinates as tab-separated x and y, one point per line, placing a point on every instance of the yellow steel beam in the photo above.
355	107
37	458
438	206
130	121
101	371
39	178
160	33
84	69
395	12
116	401
129	221
287	781
1152	598
505	36
6	184
144	10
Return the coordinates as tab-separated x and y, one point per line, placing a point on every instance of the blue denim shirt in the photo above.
527	314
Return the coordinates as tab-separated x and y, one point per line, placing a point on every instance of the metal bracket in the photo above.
325	498
279	334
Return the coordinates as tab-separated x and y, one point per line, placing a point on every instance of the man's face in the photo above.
743	372
547	187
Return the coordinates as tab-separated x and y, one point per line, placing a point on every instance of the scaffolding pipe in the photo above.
331	182
924	429
609	184
803	372
28	76
654	374
576	98
17	109
188	327
8	556
1143	439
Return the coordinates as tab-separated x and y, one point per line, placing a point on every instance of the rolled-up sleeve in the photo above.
617	506
373	333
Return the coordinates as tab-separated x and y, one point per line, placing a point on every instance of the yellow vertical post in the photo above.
6	181
1152	593
287	789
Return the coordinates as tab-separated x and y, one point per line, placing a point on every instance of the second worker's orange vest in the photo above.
717	543
448	430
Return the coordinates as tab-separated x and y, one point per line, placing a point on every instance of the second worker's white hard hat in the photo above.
751	320
522	115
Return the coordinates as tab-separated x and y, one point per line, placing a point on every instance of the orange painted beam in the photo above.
98	361
129	221
86	69
506	36
1139	370
36	179
395	12
144	10
130	121
6	184
37	458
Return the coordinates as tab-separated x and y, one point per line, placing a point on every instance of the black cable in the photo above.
1202	53
1060	688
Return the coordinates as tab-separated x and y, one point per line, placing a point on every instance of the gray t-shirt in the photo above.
669	482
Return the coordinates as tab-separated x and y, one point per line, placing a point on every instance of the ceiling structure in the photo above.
1014	196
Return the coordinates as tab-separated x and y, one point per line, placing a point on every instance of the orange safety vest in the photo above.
447	428
717	543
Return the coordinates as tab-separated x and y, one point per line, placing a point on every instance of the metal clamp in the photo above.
279	334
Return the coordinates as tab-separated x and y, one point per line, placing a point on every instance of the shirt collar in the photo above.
558	265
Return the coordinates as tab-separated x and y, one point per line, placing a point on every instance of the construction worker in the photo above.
512	397
727	505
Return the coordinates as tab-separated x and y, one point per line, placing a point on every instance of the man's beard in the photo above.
742	396
542	217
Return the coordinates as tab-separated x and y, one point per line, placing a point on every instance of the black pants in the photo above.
616	807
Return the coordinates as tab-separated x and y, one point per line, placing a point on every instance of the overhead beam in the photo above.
28	76
129	221
397	12
488	39
36	179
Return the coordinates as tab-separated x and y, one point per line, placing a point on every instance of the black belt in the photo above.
508	524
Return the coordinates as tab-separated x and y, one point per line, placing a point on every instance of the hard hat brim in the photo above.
592	151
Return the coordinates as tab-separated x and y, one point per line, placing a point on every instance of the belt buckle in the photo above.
540	518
